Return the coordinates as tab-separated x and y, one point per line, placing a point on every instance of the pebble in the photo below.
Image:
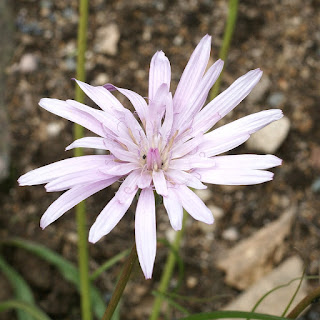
258	92
230	234
54	129
204	194
315	187
101	79
192	282
271	137
107	39
217	212
28	63
276	99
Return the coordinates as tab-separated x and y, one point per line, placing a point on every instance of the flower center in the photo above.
153	159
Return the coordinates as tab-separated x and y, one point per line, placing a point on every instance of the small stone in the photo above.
276	99
260	89
101	79
54	129
204	194
315	187
107	39
271	137
230	234
28	63
217	212
192	282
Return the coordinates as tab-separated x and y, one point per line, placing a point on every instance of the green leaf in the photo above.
108	264
24	307
21	289
66	268
232	314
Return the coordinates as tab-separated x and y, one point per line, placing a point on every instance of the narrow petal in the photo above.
82	115
160	182
137	101
184	119
223	144
160	72
144	180
119	169
192	161
193	204
182	177
101	96
145	231
166	127
58	169
226	101
247	161
192	74
174	210
187	147
248	124
114	210
69	199
234	176
78	178
88	142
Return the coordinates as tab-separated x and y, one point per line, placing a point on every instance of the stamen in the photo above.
132	137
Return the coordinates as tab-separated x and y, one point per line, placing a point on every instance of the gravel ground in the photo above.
280	37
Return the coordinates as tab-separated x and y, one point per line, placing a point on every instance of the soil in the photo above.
280	37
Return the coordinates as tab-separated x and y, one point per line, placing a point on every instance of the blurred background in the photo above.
278	222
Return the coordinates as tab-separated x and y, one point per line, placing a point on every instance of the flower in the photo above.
166	148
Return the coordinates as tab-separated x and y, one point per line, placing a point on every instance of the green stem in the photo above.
83	259
121	284
304	303
167	272
227	36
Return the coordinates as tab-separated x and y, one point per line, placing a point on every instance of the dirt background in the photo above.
280	37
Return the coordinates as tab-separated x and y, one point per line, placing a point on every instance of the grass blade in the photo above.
24	307
21	289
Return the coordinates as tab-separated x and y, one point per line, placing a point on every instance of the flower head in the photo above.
166	148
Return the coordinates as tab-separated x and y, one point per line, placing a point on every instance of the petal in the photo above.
137	101
187	147
160	72
63	167
226	101
78	113
184	119
160	182
114	210
118	168
101	96
166	127
174	210
182	177
192	161
223	144
78	178
234	176
88	142
69	199
145	231
193	204
144	179
192	74
247	161
248	124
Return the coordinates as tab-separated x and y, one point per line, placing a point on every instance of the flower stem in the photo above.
313	297
168	270
121	284
83	261
227	36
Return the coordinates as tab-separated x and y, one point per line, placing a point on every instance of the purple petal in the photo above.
145	231
192	74
193	204
247	161
160	72
234	176
182	177
226	101
78	178
78	113
114	210
88	142
174	210
160	182
63	167
69	199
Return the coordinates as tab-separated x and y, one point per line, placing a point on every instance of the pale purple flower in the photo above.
167	148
